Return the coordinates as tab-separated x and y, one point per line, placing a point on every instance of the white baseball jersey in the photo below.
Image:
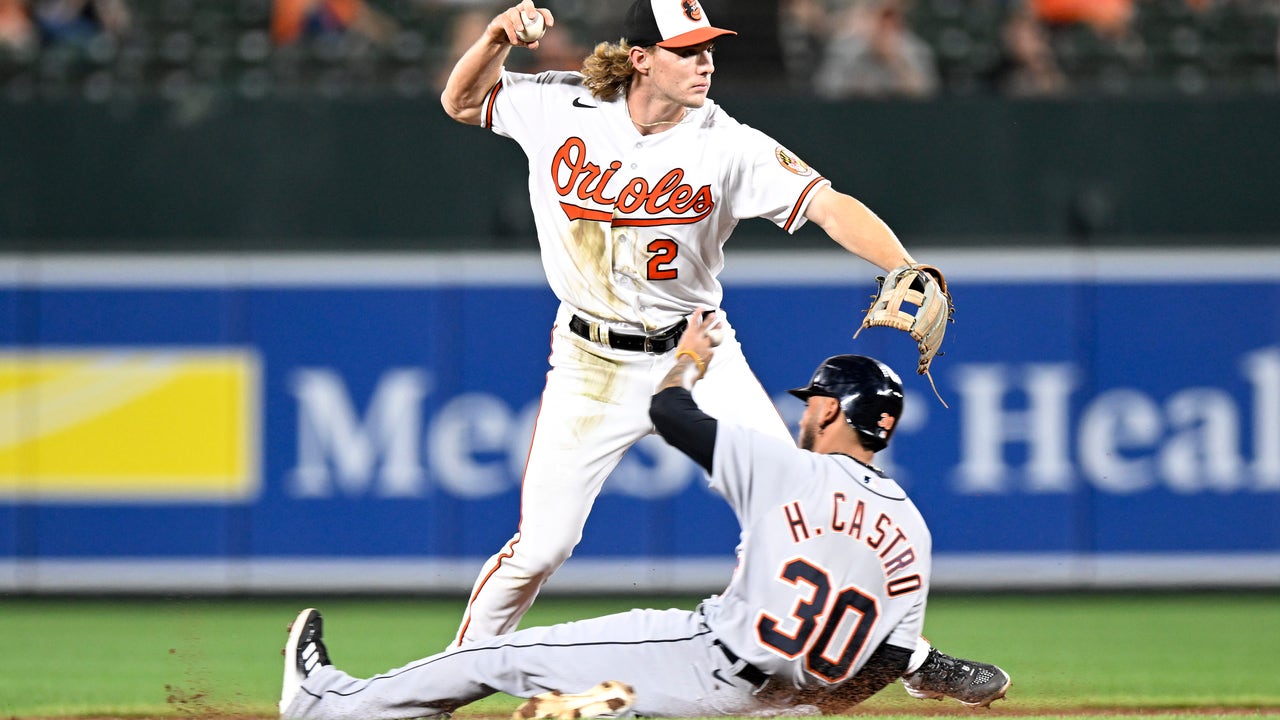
631	229
835	559
621	215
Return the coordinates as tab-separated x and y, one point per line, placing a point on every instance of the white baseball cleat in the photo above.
303	654
608	699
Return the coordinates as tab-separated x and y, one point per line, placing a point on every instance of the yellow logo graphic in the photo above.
129	424
789	161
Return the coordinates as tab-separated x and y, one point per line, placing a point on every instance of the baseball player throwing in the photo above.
636	180
824	609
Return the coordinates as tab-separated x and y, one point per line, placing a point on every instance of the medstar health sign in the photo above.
214	423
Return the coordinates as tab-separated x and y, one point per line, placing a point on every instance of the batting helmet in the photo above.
870	394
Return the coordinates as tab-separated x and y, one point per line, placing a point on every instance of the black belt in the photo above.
748	672
660	342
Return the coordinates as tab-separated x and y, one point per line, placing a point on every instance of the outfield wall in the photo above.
264	423
400	174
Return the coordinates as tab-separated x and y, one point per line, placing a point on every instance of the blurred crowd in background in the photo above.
103	50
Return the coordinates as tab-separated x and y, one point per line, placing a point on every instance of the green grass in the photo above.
1122	650
75	657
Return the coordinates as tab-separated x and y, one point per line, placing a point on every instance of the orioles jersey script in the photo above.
835	559
621	215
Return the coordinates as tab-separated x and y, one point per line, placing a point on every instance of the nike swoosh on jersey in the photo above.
577	102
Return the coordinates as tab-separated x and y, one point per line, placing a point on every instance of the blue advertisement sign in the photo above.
232	413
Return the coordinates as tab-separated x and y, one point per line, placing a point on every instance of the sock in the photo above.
919	656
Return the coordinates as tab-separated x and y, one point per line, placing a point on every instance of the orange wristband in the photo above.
702	366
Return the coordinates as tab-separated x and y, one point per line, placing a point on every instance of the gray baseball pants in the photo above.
668	656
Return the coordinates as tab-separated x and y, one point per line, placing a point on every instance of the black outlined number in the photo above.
816	625
662	253
837	668
806	612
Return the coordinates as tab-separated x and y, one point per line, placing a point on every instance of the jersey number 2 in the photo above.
663	252
816	621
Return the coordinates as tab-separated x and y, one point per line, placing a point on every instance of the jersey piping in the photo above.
795	211
505	646
491	99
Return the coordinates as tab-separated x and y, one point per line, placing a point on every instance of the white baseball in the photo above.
713	330
533	30
715	335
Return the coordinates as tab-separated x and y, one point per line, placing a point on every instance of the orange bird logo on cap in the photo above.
691	9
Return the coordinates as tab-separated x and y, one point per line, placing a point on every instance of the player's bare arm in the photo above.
479	68
857	229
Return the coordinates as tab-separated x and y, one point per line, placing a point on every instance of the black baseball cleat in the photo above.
608	699
973	683
303	653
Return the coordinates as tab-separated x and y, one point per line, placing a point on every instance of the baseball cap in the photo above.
669	24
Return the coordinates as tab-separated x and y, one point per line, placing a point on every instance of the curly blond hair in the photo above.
608	70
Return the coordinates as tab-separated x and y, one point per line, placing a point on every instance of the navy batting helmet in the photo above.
870	394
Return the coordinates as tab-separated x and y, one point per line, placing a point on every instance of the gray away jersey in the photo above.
834	560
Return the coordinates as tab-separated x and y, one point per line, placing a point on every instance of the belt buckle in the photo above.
665	336
651	342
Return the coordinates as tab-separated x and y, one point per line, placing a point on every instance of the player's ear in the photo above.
640	59
828	410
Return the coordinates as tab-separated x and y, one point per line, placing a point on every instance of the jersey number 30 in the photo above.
815	619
